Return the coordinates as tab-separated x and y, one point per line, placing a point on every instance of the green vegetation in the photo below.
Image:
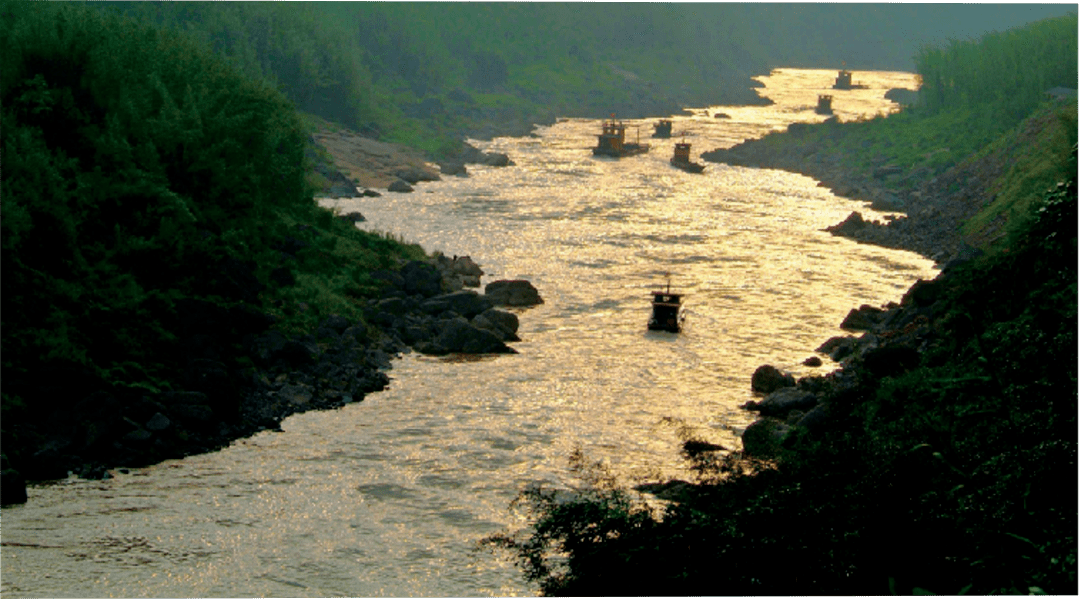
425	74
955	476
148	184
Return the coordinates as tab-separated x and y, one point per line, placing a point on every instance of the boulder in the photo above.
461	337
421	278
850	225
464	265
767	379
414	174
784	400
862	319
762	439
352	217
496	159
518	292
158	422
453	169
507	321
466	302
12	487
400	186
298	394
838	347
504	334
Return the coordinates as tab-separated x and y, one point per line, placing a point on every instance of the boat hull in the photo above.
690	167
628	150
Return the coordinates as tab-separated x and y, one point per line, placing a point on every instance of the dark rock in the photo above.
850	225
812	361
781	401
466	302
496	159
352	217
923	293
458	336
890	360
453	169
503	324
518	292
413	175
767	379
816	420
862	319
298	394
298	353
421	278
370	193
158	422
400	186
12	487
138	436
763	438
838	348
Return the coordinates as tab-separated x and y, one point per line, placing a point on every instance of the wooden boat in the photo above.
662	128
681	159
843	81
824	104
667	314
612	142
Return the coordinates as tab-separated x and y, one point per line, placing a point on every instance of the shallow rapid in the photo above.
388	497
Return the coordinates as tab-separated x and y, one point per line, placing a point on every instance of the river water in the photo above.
389	497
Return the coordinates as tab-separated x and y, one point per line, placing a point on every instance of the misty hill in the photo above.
427	73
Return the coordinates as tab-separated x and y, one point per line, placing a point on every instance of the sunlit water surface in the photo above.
388	497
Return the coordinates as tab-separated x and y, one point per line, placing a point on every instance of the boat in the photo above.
662	128
612	142
667	313
824	104
843	81
681	159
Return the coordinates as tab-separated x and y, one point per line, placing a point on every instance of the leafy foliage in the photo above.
148	185
956	477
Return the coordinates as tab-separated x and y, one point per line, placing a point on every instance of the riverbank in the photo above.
425	306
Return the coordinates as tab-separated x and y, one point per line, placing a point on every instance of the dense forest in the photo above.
941	457
157	214
426	74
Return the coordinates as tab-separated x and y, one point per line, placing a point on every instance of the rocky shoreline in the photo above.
892	336
934	204
425	306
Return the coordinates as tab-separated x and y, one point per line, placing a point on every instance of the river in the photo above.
388	497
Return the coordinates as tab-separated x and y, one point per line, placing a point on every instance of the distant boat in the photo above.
662	128
843	81
681	159
824	104
667	313
612	141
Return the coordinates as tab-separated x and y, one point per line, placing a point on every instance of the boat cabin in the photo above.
681	159
613	136
682	152
824	104
666	311
843	80
662	128
612	141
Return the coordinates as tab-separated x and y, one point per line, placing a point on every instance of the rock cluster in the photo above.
892	341
426	306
